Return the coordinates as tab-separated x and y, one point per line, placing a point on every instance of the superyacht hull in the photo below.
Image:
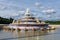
27	25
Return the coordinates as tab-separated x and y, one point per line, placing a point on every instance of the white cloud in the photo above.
7	9
21	11
10	15
41	7
2	7
48	15
38	4
48	11
14	14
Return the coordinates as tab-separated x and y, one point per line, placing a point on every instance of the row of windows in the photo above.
29	18
28	21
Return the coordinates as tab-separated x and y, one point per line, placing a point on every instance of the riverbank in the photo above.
2	25
55	25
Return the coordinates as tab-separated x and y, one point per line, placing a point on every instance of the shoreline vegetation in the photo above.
53	22
5	20
8	21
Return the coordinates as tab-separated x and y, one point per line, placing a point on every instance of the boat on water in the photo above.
28	21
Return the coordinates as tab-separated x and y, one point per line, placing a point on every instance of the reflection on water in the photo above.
29	35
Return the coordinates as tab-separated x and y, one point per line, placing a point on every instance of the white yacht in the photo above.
28	22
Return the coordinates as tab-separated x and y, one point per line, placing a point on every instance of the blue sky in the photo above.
45	9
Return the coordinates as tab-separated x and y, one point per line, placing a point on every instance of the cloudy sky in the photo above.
44	9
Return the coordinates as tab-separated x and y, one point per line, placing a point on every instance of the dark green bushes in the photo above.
53	22
5	20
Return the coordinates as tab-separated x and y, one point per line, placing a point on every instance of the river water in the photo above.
30	35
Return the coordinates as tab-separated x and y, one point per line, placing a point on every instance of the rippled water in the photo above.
30	35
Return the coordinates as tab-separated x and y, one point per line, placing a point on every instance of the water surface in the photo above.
30	35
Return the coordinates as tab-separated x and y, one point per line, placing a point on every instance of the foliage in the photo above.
5	20
53	22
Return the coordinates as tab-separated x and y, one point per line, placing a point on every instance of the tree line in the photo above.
52	22
5	20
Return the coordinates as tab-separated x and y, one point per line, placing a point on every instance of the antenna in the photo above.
27	11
